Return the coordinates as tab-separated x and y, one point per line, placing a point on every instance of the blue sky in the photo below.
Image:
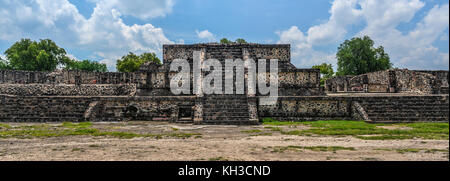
415	33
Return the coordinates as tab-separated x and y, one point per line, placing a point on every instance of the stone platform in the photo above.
376	108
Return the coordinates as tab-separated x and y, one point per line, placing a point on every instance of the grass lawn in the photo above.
72	129
363	130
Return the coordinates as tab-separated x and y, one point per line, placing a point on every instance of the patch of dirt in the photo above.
216	141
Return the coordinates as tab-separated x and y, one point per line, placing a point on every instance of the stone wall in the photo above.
414	82
91	108
143	108
70	77
179	108
68	89
338	84
376	109
292	81
309	108
43	108
392	81
441	80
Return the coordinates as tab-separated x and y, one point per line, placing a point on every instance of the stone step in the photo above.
221	116
419	107
406	102
13	114
408	111
41	119
218	108
230	122
184	121
233	111
225	117
423	115
405	119
231	100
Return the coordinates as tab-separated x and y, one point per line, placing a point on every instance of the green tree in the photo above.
358	56
86	65
326	71
131	62
240	40
225	41
30	55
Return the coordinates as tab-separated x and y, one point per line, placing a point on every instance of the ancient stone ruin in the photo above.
386	96
392	81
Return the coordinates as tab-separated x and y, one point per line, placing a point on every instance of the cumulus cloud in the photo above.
142	9
302	52
343	13
412	49
104	33
206	35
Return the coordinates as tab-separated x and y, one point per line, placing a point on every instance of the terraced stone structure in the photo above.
146	95
392	81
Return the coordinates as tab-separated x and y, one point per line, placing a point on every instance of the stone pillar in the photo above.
251	91
253	109
198	80
198	108
198	112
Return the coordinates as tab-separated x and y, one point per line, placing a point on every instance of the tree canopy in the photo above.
240	40
326	71
86	65
358	56
30	55
131	62
226	41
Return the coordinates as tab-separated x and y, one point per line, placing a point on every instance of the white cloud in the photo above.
302	52
143	9
206	35
412	49
104	33
343	13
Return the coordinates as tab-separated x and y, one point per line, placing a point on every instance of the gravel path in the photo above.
216	143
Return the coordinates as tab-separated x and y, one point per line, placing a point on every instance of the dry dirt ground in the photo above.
215	142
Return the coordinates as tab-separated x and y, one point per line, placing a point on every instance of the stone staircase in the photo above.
407	109
226	109
223	52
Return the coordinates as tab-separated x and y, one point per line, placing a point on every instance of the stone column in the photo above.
198	108
198	112
253	109
251	91
198	74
